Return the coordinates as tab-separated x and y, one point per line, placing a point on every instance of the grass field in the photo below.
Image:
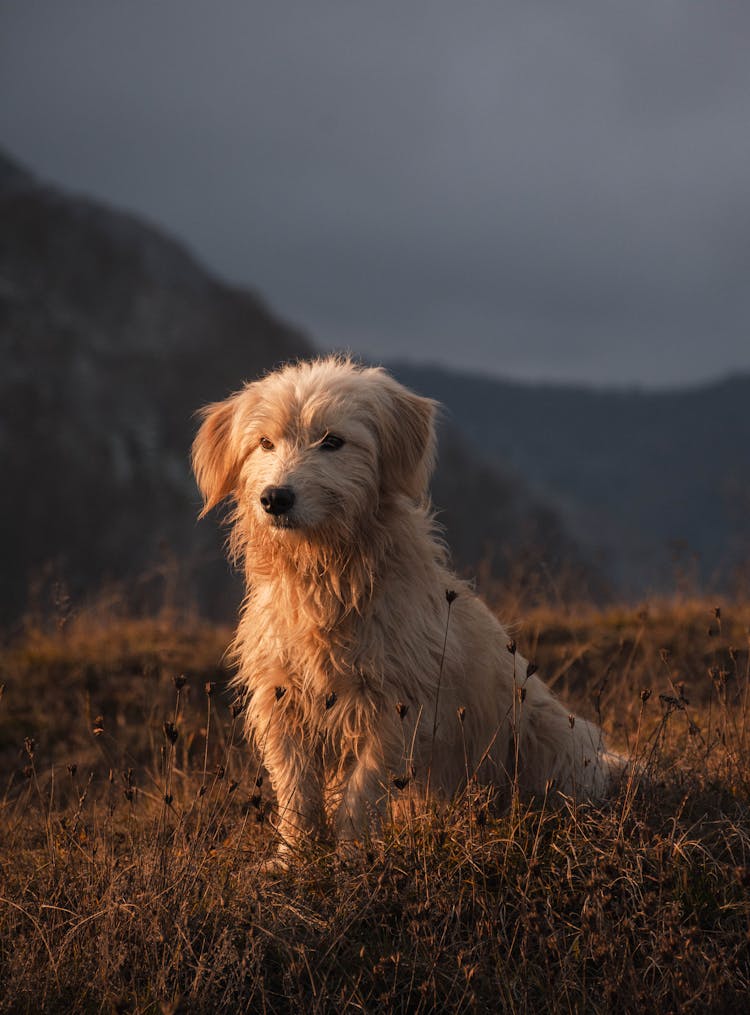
135	824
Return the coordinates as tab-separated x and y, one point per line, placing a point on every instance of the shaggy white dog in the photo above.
364	661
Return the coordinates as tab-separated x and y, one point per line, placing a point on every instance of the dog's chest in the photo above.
316	646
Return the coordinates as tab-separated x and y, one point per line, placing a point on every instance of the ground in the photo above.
136	825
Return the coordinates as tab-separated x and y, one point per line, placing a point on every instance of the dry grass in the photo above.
134	831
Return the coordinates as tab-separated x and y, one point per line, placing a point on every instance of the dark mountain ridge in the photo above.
111	336
640	477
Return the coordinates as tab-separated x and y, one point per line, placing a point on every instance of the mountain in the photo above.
111	335
651	484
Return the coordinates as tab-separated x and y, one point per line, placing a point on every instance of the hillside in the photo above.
652	484
111	336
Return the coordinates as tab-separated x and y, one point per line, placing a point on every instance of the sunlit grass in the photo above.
135	826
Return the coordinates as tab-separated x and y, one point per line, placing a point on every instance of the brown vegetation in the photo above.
135	825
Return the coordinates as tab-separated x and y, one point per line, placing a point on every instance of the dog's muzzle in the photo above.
277	500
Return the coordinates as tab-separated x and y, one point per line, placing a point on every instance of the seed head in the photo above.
129	790
179	681
531	669
330	700
645	694
280	692
72	769
168	798
209	687
521	691
29	746
451	596
220	770
717	612
170	731
511	647
401	781
98	728
461	713
572	720
402	709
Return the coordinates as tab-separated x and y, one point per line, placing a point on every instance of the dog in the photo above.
363	661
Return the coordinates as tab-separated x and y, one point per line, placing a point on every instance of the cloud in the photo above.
546	190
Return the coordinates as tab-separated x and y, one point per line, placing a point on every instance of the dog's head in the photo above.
316	447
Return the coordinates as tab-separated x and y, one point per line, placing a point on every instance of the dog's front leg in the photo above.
363	802
294	764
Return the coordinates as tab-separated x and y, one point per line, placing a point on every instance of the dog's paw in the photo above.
278	863
274	866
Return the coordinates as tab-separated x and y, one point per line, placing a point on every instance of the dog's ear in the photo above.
216	455
408	441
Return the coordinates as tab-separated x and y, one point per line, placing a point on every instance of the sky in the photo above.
541	190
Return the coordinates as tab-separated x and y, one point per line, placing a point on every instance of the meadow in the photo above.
135	825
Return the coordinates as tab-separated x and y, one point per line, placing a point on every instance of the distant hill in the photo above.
648	482
111	336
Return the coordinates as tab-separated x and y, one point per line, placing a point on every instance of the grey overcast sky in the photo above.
539	189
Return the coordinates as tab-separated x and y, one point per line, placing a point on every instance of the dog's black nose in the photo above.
277	500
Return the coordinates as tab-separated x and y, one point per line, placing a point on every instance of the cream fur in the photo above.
346	611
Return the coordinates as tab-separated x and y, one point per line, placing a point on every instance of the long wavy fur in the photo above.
345	614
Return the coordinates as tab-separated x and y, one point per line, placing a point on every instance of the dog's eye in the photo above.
266	444
331	442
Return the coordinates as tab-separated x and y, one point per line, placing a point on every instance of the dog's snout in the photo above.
277	500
